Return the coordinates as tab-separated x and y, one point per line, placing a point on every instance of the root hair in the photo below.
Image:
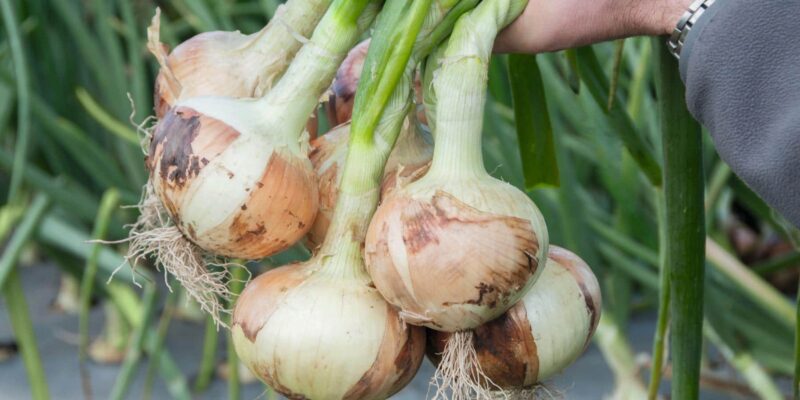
153	236
459	376
538	391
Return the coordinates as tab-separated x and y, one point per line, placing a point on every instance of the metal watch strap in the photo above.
685	24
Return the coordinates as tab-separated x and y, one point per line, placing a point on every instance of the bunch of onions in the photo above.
320	329
543	333
233	174
231	64
412	151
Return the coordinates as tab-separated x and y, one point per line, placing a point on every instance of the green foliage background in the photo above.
67	128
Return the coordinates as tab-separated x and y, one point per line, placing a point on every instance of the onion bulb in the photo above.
230	63
542	334
234	174
311	331
456	248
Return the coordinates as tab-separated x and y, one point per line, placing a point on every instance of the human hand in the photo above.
549	25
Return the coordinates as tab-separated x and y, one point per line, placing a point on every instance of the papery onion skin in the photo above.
339	106
543	333
232	193
198	64
312	335
454	254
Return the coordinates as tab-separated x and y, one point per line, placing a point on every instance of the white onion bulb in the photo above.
542	334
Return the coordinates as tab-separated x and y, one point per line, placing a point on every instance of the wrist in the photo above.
658	17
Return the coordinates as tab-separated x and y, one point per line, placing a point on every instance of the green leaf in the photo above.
573	75
534	131
597	83
685	226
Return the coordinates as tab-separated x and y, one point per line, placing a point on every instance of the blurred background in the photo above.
76	89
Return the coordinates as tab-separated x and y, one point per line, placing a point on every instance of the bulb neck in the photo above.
460	89
458	153
297	93
341	253
278	42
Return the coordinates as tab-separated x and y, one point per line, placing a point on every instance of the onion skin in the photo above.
542	334
313	335
198	63
261	198
328	153
339	107
455	254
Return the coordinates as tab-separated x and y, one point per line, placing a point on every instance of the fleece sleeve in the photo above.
741	67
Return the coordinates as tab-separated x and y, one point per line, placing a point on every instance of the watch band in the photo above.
685	24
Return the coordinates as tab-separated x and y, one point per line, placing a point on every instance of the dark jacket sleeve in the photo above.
741	66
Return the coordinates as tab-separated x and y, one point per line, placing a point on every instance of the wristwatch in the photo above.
685	24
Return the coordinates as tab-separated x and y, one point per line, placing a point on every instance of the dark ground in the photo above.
589	378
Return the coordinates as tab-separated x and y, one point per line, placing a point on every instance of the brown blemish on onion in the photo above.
505	348
190	232
173	137
183	143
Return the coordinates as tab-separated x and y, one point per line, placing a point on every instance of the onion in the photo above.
457	248
229	63
542	334
320	330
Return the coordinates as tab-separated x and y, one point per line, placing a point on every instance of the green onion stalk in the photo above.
232	175
320	329
685	228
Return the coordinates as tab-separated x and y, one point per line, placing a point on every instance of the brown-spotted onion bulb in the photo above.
542	334
234	174
222	63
